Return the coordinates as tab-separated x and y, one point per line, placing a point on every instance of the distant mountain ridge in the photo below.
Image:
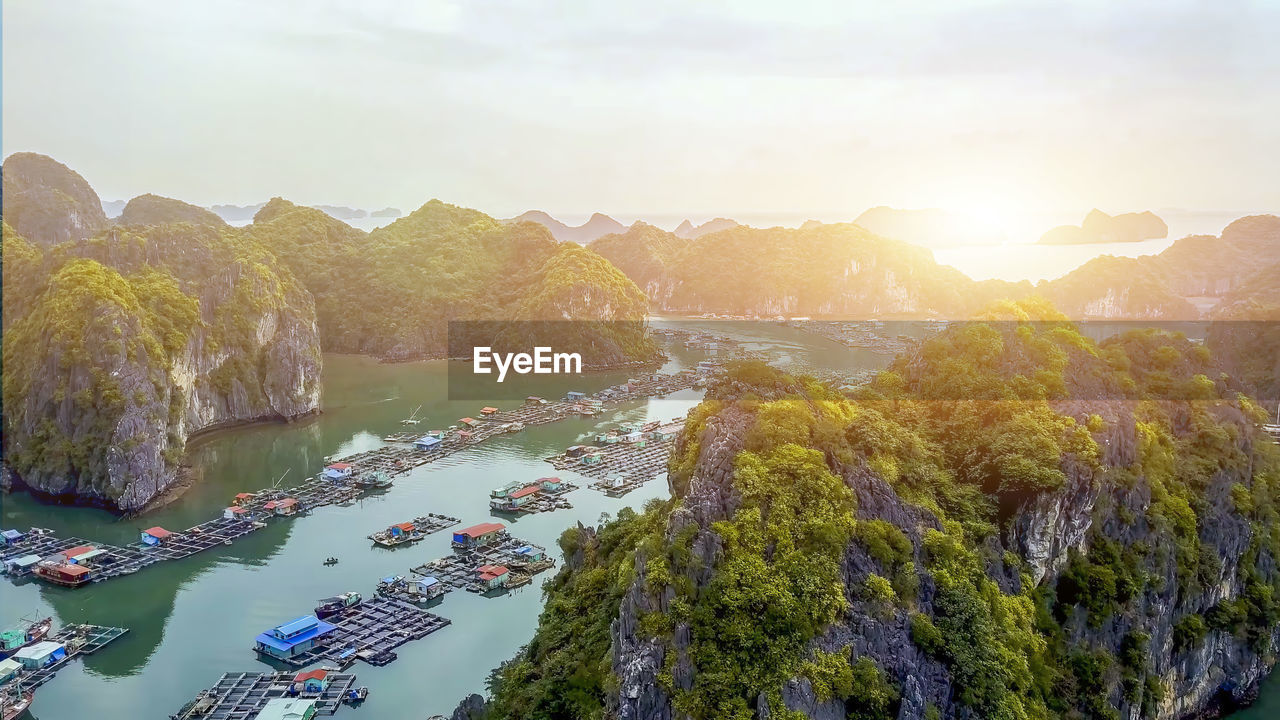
596	226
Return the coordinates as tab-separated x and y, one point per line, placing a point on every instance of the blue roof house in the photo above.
574	395
294	638
11	536
427	442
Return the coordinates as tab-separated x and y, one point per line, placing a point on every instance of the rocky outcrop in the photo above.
140	341
47	202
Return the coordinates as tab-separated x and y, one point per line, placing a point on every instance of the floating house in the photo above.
532	553
469	422
488	411
287	506
706	366
294	638
40	654
594	457
8	669
428	587
574	396
338	471
402	530
21	565
632	437
427	442
153	536
11	537
243	498
478	535
235	512
575	451
504	492
521	497
315	681
492	576
552	484
464	435
287	709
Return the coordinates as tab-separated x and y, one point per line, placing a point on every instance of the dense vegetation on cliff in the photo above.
392	292
1013	522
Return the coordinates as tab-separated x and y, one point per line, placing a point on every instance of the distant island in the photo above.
1099	227
236	213
387	212
113	208
688	231
931	228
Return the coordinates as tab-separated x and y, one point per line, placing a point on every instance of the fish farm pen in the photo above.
370	631
241	696
77	640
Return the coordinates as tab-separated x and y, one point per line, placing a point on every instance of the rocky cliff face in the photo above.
1135	582
138	340
47	202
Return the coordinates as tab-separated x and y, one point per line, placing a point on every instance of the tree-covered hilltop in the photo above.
392	292
838	270
1013	522
156	210
47	202
118	347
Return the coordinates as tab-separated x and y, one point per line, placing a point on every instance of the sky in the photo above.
662	106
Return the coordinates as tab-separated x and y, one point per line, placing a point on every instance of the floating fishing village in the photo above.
485	559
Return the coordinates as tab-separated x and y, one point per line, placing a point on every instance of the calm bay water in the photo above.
194	619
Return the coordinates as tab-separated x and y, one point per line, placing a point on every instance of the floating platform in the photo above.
240	696
459	571
370	631
422	527
622	467
79	640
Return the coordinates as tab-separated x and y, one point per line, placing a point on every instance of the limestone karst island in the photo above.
639	361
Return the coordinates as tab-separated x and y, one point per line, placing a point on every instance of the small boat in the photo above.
331	606
14	639
376	479
13	704
356	695
331	561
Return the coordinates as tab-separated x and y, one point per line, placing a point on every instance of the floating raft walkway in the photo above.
79	640
241	696
371	631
